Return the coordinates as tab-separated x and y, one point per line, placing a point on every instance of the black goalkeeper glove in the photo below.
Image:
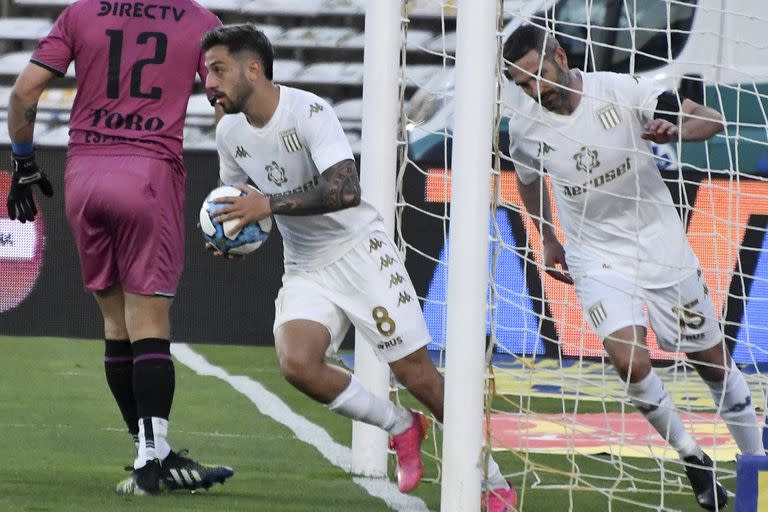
21	202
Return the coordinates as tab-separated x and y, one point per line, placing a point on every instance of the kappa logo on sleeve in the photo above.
315	108
544	149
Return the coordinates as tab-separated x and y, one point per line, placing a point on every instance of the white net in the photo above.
559	419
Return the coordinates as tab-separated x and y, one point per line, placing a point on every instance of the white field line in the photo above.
271	405
121	431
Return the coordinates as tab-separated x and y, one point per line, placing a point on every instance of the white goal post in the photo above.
378	164
477	36
476	50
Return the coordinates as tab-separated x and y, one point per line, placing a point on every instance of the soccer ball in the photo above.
245	241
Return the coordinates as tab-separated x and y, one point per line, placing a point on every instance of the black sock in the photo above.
154	378
118	368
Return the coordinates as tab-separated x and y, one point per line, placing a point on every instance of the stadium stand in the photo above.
318	46
23	29
12	63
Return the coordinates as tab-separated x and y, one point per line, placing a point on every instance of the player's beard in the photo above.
234	102
560	94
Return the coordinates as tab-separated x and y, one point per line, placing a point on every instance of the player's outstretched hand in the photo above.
215	250
248	209
554	254
659	131
21	201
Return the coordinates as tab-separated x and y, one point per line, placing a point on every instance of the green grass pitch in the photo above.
64	446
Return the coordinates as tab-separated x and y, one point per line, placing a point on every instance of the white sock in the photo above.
734	404
153	443
653	401
359	404
495	479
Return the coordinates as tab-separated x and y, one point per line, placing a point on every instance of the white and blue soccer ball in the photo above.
244	241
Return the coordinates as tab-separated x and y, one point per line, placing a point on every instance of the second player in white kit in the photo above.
626	247
625	244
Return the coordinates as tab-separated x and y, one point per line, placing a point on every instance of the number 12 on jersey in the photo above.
115	57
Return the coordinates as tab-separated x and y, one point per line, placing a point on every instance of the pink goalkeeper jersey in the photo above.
135	66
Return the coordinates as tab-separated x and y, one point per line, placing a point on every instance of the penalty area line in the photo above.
271	405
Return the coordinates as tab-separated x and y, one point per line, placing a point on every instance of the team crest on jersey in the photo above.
609	117
586	160
291	140
275	173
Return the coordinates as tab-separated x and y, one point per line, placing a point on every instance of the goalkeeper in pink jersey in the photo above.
626	247
135	66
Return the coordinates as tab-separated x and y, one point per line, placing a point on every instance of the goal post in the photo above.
378	165
476	49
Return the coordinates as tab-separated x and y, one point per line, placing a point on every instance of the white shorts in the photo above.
682	316
369	288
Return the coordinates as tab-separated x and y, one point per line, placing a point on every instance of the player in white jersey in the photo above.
625	243
340	265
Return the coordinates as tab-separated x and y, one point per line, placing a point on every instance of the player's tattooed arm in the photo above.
338	188
30	114
21	121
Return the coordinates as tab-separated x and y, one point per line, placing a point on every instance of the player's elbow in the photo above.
351	197
20	96
714	119
29	85
706	122
349	191
711	127
718	123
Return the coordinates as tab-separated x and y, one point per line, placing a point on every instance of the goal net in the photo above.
558	417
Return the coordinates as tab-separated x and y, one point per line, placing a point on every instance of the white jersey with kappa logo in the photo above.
612	203
301	140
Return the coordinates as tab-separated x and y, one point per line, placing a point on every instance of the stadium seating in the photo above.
318	46
24	29
44	3
314	37
12	63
